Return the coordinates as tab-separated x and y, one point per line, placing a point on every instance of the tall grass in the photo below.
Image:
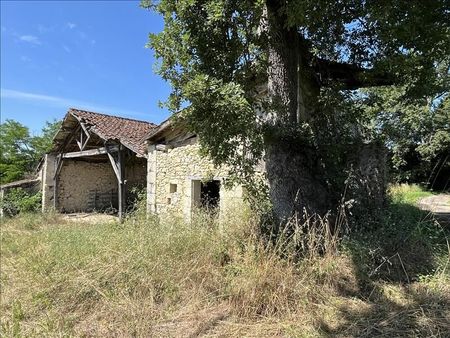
212	277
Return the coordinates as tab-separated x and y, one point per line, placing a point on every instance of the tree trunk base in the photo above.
300	185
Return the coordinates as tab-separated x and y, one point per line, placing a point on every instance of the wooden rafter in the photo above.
92	152
69	139
83	140
351	76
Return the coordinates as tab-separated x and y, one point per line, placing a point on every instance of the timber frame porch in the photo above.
86	141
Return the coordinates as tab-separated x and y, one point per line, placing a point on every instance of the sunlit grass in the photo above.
217	277
408	193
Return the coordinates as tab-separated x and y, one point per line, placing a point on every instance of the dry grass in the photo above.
215	278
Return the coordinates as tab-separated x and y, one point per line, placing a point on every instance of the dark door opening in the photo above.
210	194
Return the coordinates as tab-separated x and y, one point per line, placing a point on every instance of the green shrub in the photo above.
18	201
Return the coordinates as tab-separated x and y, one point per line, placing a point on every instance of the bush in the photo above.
18	201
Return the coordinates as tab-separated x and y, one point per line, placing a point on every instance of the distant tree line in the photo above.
417	135
20	152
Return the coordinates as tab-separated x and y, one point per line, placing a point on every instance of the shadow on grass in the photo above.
403	288
417	313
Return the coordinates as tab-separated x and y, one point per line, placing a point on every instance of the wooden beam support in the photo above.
85	128
162	147
91	152
83	140
2	196
58	166
115	167
69	139
121	182
118	165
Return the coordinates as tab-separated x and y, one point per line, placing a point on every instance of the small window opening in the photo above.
173	188
169	201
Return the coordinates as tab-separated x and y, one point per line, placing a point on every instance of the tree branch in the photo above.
351	76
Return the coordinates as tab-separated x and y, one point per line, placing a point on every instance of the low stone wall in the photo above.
172	174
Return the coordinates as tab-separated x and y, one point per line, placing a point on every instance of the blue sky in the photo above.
83	54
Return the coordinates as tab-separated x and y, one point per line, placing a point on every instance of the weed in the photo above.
218	276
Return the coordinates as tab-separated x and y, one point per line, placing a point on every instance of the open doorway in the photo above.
210	194
206	194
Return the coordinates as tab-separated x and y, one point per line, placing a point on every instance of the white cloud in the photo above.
30	39
67	49
66	103
71	25
14	94
42	29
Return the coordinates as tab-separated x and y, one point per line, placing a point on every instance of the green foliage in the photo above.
210	52
19	151
214	54
18	200
416	133
15	150
407	193
404	38
407	244
42	143
213	102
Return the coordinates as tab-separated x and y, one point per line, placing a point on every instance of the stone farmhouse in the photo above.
98	161
179	179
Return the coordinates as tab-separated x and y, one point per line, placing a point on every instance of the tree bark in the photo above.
294	186
282	68
292	167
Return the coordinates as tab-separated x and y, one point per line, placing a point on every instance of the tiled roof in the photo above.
131	133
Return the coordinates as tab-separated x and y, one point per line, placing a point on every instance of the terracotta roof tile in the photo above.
131	133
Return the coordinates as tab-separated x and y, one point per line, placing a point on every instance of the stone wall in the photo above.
88	186
174	175
81	181
135	172
47	173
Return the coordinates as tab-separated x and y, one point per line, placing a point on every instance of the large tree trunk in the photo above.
292	167
294	186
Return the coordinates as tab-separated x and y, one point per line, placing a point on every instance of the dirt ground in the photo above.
439	205
90	218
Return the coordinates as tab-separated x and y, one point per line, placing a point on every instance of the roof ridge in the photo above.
109	115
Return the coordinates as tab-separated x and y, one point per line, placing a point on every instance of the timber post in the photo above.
121	181
119	169
58	166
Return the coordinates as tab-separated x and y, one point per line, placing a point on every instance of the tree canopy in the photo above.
21	152
255	76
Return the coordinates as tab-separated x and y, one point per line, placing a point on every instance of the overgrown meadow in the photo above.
219	277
